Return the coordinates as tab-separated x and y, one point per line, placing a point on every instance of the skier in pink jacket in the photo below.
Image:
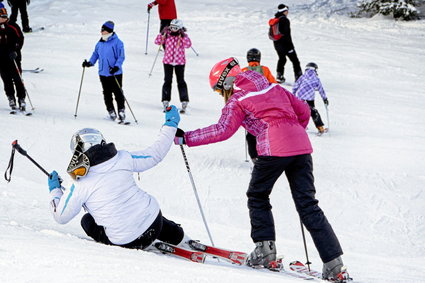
277	119
174	39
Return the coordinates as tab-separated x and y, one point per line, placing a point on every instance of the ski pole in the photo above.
194	51
327	116
147	33
23	85
196	193
79	92
154	61
16	146
128	104
305	245
246	147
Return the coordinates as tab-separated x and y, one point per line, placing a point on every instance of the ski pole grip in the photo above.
18	148
168	108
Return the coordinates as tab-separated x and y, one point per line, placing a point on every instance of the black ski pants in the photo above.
252	145
315	114
299	172
111	86
21	6
168	80
11	78
161	229
164	23
283	52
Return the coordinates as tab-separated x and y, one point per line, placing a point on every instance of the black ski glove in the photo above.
179	138
13	55
87	64
113	70
326	101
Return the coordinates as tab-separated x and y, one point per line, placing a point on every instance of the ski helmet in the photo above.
311	66
223	74
253	55
176	24
82	141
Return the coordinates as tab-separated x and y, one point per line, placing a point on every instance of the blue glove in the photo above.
54	181
172	117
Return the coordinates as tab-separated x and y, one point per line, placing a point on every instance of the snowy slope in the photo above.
369	169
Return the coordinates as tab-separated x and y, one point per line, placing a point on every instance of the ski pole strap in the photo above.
8	173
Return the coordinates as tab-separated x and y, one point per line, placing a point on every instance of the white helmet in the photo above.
176	24
85	138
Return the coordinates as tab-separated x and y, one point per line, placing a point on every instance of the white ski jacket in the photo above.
110	194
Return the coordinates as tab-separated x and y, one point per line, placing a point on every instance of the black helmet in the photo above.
311	66
253	55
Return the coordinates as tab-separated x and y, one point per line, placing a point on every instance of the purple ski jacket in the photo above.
307	84
269	112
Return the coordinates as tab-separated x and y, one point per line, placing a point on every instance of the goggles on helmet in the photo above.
223	75
78	166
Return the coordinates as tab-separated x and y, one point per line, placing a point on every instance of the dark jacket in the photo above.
285	30
11	39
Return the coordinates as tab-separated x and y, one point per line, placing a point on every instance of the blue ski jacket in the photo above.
110	53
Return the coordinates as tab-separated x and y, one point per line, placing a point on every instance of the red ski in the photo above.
301	268
238	258
194	256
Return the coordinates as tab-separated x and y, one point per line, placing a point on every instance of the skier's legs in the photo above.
7	79
14	14
149	236
292	55
315	114
281	52
107	92
24	16
118	92
181	84
265	173
168	80
93	230
171	232
164	23
301	182
252	145
19	85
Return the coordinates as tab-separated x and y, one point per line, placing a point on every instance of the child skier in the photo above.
253	56
175	40
118	211
305	87
278	120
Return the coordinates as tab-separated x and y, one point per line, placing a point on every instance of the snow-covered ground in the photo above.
369	169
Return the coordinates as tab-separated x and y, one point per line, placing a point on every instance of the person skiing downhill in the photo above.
118	211
109	51
305	88
278	120
11	42
284	46
176	41
253	56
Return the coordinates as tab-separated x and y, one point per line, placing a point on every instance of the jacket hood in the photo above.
251	81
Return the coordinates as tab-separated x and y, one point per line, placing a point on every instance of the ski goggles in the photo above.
78	166
174	28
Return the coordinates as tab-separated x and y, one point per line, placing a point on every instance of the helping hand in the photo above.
172	116
87	64
54	181
179	138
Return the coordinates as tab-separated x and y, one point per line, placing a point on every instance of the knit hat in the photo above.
3	11
108	26
282	8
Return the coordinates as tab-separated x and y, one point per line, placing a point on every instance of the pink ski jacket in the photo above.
174	47
268	111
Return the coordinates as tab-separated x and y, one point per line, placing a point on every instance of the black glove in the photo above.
87	64
326	101
181	33
13	55
113	70
179	138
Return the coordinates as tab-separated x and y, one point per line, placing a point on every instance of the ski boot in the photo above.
12	103
263	255
165	104
121	115
280	78
112	115
22	105
184	106
335	271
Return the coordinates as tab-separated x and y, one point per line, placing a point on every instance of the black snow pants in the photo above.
11	78
168	80
161	229
282	52
299	172
110	86
20	5
315	114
